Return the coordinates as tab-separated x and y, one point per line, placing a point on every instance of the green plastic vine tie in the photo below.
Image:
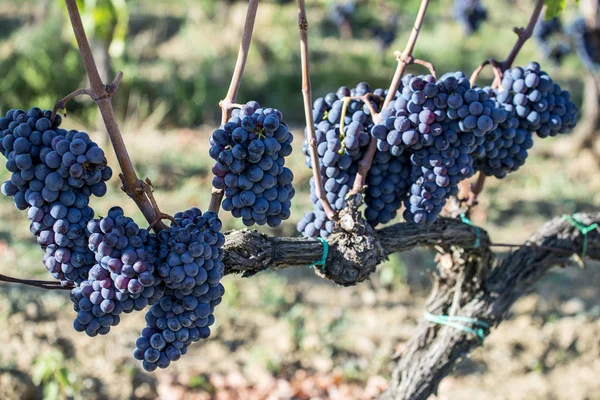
578	223
323	259
448	321
467	221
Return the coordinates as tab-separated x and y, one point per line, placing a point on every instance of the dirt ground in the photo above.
293	336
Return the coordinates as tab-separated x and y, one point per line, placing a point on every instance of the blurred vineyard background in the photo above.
287	335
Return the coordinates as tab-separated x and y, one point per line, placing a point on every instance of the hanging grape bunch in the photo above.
250	151
433	135
470	13
342	126
115	266
54	174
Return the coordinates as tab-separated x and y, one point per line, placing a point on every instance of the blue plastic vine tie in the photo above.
578	223
323	259
467	221
448	321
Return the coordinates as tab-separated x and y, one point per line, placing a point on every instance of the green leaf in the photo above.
52	391
62	377
554	8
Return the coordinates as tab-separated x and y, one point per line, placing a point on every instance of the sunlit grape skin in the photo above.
250	151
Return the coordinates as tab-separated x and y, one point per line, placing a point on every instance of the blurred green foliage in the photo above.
58	382
178	56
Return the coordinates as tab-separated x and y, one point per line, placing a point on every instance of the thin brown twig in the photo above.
367	160
49	285
112	87
102	95
62	103
229	101
425	64
407	53
310	127
366	99
475	189
229	106
523	34
410	60
495	66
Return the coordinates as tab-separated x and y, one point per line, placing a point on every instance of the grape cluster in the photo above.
191	267
60	229
586	43
385	35
548	35
340	145
388	182
341	13
433	135
470	13
125	251
54	173
534	104
505	148
174	323
122	279
540	104
250	151
116	266
437	124
46	160
190	251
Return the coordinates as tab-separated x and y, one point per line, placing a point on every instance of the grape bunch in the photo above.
46	160
122	279
190	253
548	35
587	43
116	266
437	124
60	229
433	135
250	151
388	182
505	148
125	251
54	173
534	104
470	13
191	267
173	324
340	145
540	104
341	12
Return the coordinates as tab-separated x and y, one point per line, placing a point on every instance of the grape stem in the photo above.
310	127
476	188
496	67
404	59
229	102
523	34
62	103
50	285
411	60
102	95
